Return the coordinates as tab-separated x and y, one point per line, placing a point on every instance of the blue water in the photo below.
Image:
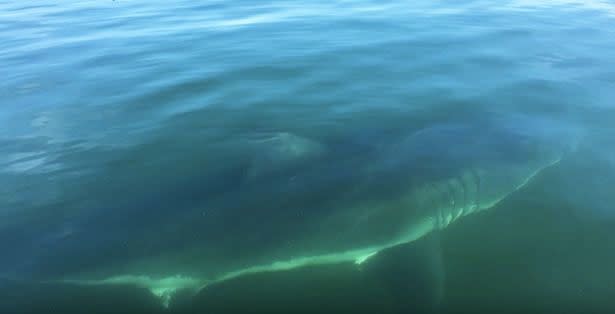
117	116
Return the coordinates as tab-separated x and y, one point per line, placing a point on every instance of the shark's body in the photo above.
293	201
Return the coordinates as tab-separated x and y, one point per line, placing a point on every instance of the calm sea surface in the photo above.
121	120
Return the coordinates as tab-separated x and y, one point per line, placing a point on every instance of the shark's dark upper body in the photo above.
282	200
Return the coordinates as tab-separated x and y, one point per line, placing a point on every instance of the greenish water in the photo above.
336	156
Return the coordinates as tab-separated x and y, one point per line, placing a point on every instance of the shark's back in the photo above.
290	201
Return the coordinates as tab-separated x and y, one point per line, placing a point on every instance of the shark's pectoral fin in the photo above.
412	273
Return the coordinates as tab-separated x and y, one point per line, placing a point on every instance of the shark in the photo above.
281	201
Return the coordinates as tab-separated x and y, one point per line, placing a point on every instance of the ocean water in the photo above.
323	156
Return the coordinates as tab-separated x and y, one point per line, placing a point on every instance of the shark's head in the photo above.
450	171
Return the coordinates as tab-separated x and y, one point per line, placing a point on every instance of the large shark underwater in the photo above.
283	200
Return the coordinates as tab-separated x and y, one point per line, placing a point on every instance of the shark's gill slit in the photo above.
434	198
450	205
477	180
455	186
464	193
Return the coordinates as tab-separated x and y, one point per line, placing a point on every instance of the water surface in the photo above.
119	118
